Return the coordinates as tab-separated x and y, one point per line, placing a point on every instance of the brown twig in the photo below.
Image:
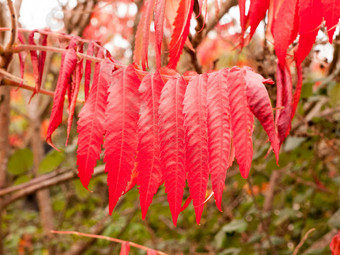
23	47
12	83
13	24
303	240
111	239
33	186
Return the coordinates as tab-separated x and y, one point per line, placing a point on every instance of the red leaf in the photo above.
120	126
331	13
241	120
285	28
68	64
42	58
219	127
72	101
91	122
125	248
149	171
151	252
159	22
195	123
88	64
186	203
172	142
310	12
297	92
257	12
335	244
38	61
283	100
243	16
35	62
181	31
260	105
140	54
22	57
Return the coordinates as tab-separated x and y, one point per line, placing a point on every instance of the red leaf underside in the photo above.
219	129
195	123
68	64
120	126
148	168
172	142
125	248
180	32
88	63
241	120
91	122
260	105
159	22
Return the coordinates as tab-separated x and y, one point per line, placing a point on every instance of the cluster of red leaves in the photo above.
287	21
175	15
160	128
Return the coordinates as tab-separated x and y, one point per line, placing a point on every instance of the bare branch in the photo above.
47	183
111	239
11	83
303	240
13	24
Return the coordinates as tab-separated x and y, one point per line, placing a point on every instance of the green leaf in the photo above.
20	162
334	94
22	179
51	161
238	226
235	226
307	90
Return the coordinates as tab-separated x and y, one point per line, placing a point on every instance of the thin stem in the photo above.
111	239
12	83
23	47
303	240
264	227
50	33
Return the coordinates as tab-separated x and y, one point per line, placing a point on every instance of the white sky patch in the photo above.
39	14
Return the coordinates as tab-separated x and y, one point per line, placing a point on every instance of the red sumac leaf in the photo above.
158	22
195	123
88	63
151	252
260	105
285	28
77	76
148	168
331	13
125	248
35	62
172	142
283	100
219	129
91	122
241	120
180	32
22	57
68	64
257	12
310	13
121	116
